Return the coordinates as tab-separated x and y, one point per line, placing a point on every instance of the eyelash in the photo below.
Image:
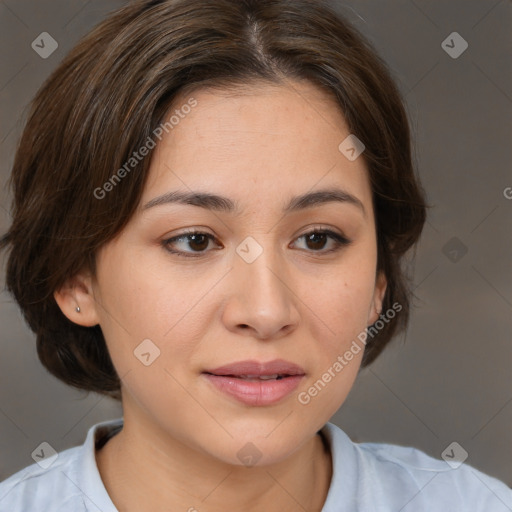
339	240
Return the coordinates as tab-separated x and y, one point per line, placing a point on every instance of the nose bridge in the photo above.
261	297
260	265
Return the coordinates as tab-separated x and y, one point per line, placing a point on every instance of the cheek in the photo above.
342	315
341	309
342	300
337	356
151	328
141	302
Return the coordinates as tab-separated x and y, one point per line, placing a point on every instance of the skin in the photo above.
259	146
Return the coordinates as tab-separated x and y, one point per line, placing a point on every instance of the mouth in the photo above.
253	378
256	383
278	368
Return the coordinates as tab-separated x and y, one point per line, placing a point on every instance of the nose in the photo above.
261	300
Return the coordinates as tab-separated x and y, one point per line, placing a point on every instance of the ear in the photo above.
77	292
378	298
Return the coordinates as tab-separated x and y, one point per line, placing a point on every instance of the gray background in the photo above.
448	379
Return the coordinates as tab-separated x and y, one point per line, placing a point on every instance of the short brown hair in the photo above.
116	86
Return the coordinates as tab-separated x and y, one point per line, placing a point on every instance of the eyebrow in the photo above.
224	204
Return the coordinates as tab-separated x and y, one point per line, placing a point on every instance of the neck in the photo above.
147	471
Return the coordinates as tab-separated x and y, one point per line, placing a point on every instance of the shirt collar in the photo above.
341	487
96	497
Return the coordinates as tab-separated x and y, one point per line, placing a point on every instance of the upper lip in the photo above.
277	366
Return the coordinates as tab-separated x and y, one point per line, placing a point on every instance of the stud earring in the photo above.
77	309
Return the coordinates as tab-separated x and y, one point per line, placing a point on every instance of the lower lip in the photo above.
263	392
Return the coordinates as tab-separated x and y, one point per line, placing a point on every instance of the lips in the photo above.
256	383
255	369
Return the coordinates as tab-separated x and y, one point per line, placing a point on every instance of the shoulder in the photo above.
62	482
37	489
407	479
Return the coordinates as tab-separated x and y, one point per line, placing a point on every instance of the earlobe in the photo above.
76	300
378	297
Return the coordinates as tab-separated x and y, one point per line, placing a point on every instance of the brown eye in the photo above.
317	240
196	241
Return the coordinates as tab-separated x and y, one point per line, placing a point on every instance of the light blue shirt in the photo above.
367	477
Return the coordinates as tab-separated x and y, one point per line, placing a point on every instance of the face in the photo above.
268	278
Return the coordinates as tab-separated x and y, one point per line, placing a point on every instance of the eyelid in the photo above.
184	234
339	239
324	229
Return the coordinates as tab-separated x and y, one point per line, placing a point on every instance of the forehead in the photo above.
271	140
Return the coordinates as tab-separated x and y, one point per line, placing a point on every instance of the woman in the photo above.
212	200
